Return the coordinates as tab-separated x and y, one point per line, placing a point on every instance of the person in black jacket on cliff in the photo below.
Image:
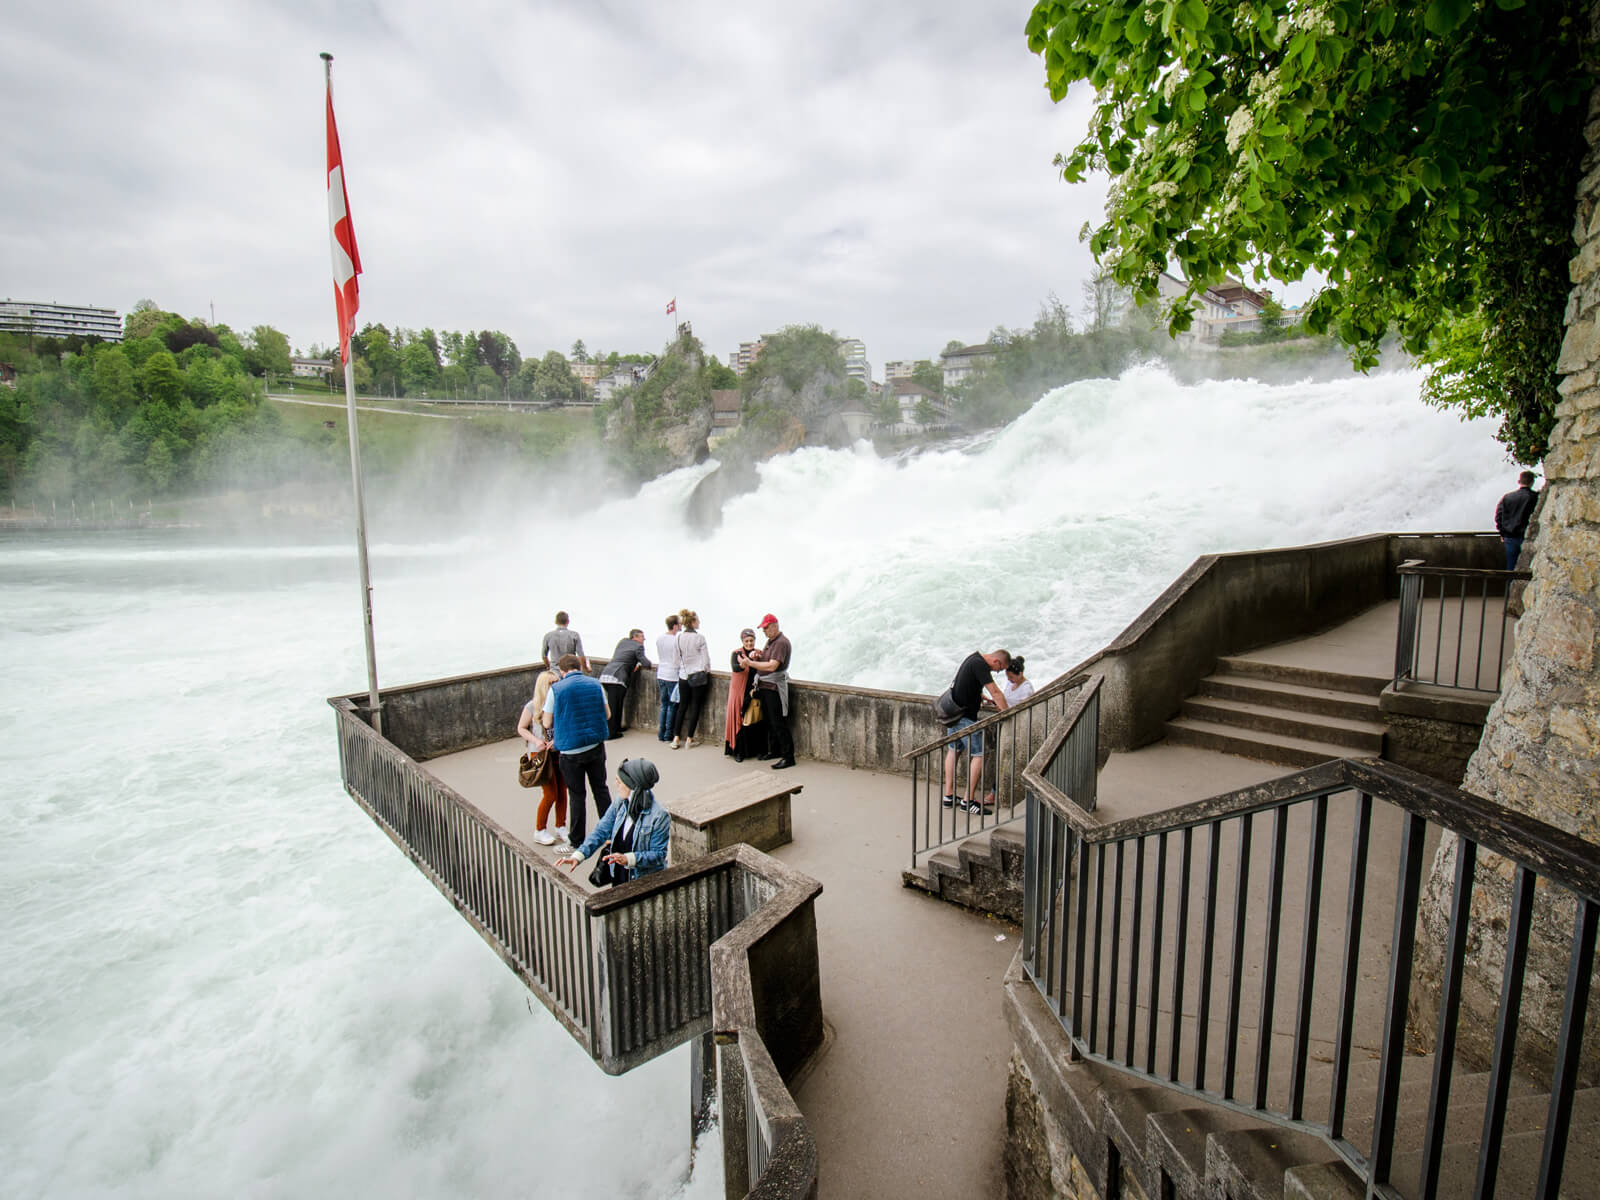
1511	517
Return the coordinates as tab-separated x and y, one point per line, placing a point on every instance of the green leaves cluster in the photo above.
1420	157
106	421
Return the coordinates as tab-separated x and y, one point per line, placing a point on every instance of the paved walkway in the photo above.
909	1099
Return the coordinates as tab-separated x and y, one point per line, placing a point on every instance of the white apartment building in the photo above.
856	365
59	320
958	364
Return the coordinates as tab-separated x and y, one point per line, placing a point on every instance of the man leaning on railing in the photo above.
965	697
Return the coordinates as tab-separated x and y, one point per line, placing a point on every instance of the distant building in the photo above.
310	368
59	320
908	397
726	405
856	365
898	370
1228	305
588	373
8	375
625	376
746	354
958	364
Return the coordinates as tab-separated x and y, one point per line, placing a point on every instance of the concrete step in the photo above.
1251	1164
1464	1120
1243	664
1175	1148
1365	737
983	873
1519	1166
1282	749
1330	702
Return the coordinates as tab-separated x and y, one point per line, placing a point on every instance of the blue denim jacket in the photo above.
650	836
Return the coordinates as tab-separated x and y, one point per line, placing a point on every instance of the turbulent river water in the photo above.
221	979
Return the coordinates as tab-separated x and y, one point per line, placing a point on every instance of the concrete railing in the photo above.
1229	603
728	940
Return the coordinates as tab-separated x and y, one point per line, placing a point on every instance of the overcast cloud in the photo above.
557	170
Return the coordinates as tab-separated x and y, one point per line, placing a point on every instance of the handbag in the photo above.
604	873
752	712
697	679
945	709
534	767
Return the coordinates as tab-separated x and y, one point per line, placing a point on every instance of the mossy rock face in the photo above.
662	423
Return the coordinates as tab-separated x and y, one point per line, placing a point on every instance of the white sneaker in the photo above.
564	847
676	743
545	838
561	833
689	745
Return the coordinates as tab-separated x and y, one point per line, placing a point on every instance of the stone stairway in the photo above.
1168	1144
983	873
1277	713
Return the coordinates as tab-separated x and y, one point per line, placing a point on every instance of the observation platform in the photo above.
907	1094
909	1097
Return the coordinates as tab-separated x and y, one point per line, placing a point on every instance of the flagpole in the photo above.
361	506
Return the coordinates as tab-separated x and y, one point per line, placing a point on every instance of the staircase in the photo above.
983	873
1273	712
1172	1145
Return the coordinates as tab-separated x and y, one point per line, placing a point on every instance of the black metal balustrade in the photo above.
1010	738
1452	629
1245	949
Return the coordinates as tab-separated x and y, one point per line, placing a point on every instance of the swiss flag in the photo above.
672	305
342	240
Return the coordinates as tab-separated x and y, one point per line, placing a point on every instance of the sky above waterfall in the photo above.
557	170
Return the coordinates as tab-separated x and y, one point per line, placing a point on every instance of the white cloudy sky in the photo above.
556	169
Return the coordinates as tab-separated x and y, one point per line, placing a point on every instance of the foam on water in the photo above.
220	978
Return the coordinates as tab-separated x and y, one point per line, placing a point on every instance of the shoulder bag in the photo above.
534	767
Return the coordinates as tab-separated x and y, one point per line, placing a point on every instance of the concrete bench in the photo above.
753	808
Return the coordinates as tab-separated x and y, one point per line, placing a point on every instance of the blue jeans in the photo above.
973	741
1513	549
669	709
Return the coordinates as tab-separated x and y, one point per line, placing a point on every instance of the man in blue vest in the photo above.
576	714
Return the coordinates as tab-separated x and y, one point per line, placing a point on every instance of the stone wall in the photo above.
1540	752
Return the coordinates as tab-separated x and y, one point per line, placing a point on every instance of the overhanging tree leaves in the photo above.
1420	156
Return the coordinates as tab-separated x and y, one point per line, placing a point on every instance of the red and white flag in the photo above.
342	240
672	305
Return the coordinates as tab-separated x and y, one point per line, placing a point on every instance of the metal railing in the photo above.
627	971
1010	739
1452	628
1143	959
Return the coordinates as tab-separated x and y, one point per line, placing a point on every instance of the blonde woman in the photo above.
694	678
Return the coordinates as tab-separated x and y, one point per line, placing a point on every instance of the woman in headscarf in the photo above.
636	828
742	741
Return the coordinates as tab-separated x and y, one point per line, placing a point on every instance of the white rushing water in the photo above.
220	978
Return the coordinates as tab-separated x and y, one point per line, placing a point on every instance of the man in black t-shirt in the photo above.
974	676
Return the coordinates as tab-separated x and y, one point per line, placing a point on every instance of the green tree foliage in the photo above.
794	355
1414	154
1051	353
720	374
929	375
107	421
418	368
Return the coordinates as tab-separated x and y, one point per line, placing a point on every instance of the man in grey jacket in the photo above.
627	658
560	641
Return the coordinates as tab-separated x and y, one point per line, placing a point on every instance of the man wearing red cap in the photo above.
773	668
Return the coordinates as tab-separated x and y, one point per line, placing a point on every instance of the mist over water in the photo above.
221	978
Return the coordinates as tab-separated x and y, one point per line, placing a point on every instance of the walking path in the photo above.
909	1097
